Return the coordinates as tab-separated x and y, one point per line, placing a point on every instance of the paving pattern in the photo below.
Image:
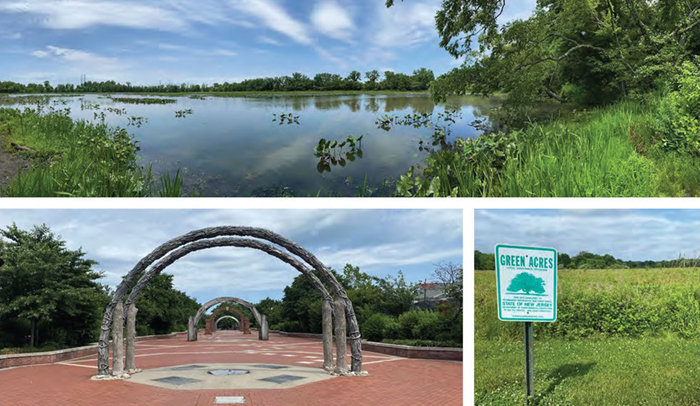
392	381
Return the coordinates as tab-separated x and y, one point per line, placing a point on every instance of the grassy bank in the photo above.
76	158
621	336
613	151
653	372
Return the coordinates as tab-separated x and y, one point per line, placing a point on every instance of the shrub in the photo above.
373	328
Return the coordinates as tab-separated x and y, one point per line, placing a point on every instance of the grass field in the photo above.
622	337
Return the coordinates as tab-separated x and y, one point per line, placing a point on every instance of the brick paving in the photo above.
392	381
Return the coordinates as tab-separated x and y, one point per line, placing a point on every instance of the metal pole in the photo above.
529	362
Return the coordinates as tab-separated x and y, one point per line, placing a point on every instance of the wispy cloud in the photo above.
332	20
274	17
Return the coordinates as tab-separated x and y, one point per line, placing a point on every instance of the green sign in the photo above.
526	280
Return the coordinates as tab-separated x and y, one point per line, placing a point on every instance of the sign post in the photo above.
526	279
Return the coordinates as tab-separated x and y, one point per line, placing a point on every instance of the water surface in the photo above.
229	146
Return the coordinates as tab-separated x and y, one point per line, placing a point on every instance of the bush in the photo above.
373	328
419	324
425	343
678	113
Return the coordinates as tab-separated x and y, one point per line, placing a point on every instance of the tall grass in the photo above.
78	158
604	303
609	152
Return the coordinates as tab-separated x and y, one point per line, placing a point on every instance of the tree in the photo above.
527	283
587	51
53	287
372	77
452	276
163	309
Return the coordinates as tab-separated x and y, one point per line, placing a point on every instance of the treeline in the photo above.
587	260
420	80
51	297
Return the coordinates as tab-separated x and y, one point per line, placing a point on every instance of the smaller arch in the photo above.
261	319
226	317
211	327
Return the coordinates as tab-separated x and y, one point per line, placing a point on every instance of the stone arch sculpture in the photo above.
245	323
261	319
225	317
338	305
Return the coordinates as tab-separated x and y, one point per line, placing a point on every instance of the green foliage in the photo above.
425	343
47	290
374	328
593	154
78	158
604	303
484	262
419	81
162	309
678	113
588	51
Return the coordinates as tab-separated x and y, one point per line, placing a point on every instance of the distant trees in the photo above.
419	81
588	260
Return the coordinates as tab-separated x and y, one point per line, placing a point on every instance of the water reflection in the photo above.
231	147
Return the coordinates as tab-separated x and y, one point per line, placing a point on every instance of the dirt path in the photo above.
10	164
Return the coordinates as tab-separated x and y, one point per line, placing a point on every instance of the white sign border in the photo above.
498	281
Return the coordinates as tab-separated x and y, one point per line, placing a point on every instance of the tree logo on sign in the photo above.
526	282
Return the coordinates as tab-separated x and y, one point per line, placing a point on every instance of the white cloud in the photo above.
268	40
404	25
73	56
223	52
626	234
274	17
76	14
332	20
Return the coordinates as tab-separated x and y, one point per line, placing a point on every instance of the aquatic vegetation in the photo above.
79	158
115	110
183	113
137	121
440	125
285	118
198	97
88	105
331	153
143	100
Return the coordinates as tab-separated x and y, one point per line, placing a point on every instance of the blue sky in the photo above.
380	242
207	41
626	234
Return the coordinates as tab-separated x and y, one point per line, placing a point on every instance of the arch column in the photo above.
118	340
131	311
341	362
327	314
191	330
264	331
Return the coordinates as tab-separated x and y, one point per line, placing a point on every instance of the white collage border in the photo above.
467	205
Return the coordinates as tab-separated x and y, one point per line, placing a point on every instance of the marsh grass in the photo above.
609	152
78	158
143	100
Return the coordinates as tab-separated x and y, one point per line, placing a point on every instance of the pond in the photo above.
230	146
